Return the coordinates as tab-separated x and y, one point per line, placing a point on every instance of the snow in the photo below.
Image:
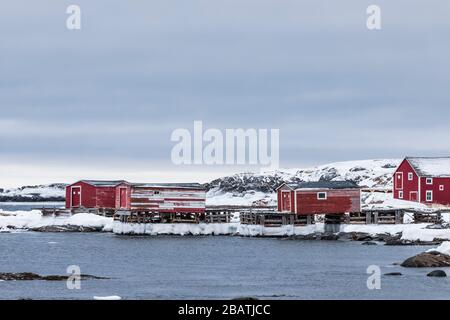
382	200
373	174
107	298
24	220
216	198
410	232
433	167
444	248
181	229
33	219
44	191
369	173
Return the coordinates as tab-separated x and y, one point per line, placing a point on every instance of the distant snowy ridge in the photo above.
252	188
51	192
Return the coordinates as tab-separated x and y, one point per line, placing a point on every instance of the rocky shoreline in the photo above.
365	238
29	276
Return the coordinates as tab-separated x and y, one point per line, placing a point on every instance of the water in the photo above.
168	267
26	206
175	267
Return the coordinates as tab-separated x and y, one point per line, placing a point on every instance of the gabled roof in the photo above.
104	183
322	185
171	185
327	185
430	167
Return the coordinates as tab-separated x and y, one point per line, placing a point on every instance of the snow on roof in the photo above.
325	185
431	167
104	183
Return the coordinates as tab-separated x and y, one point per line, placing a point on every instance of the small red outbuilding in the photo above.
96	194
322	197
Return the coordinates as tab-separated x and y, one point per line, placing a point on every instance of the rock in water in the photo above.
427	260
369	243
393	274
28	276
437	273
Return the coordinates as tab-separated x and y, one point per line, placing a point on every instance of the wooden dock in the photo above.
265	216
274	219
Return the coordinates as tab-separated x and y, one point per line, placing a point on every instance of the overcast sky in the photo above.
101	102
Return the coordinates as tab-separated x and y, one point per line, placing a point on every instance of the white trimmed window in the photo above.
441	187
400	194
410	176
429	196
429	181
321	196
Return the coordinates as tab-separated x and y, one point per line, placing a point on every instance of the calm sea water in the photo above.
166	267
209	268
25	206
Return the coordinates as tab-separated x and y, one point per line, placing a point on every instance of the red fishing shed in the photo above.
321	197
93	194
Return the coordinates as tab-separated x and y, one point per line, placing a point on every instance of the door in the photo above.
76	197
286	201
123	198
399	180
413	196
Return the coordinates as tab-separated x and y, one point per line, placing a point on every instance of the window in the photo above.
441	187
429	196
321	196
410	176
400	194
429	180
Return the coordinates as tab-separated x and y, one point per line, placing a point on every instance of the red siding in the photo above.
105	197
128	199
337	202
165	199
408	187
88	195
440	197
283	205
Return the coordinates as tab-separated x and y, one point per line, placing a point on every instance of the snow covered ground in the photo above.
26	220
410	232
29	220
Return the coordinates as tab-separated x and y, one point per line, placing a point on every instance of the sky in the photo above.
102	102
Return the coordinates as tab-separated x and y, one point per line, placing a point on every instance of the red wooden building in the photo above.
424	180
138	197
322	197
94	194
165	197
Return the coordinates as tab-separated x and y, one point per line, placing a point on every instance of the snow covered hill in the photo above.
259	189
251	188
51	192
